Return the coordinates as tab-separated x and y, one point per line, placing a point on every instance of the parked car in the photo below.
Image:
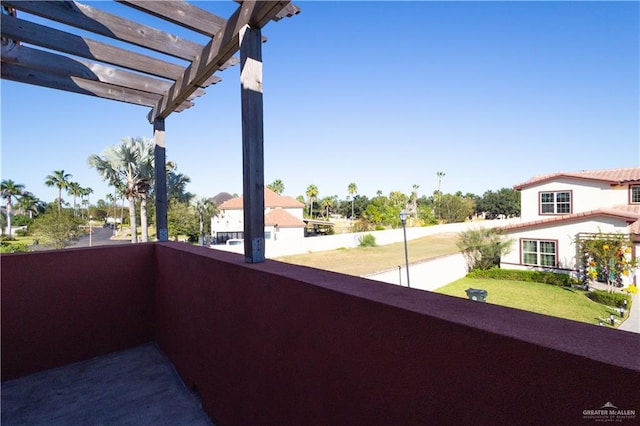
235	241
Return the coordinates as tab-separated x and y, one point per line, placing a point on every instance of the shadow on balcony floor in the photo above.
134	387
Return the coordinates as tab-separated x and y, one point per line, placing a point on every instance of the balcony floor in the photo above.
134	387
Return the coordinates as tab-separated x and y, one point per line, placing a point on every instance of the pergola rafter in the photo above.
42	55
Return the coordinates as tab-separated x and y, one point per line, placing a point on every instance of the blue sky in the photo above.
383	94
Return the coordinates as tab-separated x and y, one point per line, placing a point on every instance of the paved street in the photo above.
99	237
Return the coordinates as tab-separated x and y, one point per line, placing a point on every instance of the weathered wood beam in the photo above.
252	143
96	21
67	66
79	85
287	12
160	167
43	36
180	13
217	52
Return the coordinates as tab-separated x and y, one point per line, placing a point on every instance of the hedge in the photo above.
610	299
561	280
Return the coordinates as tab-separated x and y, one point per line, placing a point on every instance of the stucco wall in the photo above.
278	344
60	307
587	195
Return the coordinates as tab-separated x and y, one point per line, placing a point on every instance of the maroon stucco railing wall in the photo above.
65	306
277	344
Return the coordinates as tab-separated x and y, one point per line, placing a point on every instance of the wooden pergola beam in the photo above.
220	49
98	22
68	66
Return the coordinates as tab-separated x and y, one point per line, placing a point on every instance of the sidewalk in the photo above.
632	323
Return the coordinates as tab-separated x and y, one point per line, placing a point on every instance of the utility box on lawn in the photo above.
477	294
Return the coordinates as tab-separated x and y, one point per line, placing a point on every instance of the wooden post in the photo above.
162	233
252	143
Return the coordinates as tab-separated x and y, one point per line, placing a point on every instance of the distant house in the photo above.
558	208
282	218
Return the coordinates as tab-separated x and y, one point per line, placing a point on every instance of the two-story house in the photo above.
282	218
558	208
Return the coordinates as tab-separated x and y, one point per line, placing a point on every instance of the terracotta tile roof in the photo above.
612	176
631	214
271	200
283	219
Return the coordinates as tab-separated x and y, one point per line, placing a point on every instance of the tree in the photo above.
312	196
482	248
177	184
59	179
85	192
130	163
353	190
10	190
74	189
182	220
440	176
206	208
327	204
30	205
453	208
276	186
504	202
57	230
414	200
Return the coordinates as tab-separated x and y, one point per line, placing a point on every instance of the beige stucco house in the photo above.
282	218
560	207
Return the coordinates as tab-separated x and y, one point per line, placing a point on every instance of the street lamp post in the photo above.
403	218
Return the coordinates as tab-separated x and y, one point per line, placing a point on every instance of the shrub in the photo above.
360	226
561	280
367	240
22	232
609	299
7	247
482	247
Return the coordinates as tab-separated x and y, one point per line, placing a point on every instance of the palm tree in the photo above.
276	186
440	176
353	189
414	200
85	192
10	190
312	195
205	208
74	189
327	203
60	179
130	163
30	204
177	186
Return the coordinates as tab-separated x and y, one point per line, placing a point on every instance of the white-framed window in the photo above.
539	252
634	197
555	202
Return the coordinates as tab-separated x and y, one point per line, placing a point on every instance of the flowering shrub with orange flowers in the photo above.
606	257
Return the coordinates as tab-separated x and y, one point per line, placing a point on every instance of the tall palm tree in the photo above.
10	190
59	179
440	176
312	195
85	192
276	186
414	200
177	186
131	164
206	208
353	189
74	189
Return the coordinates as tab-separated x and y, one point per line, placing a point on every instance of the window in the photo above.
539	253
635	194
555	202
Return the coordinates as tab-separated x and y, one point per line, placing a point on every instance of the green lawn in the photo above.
544	299
366	260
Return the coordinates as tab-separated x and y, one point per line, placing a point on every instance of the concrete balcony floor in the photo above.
138	386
